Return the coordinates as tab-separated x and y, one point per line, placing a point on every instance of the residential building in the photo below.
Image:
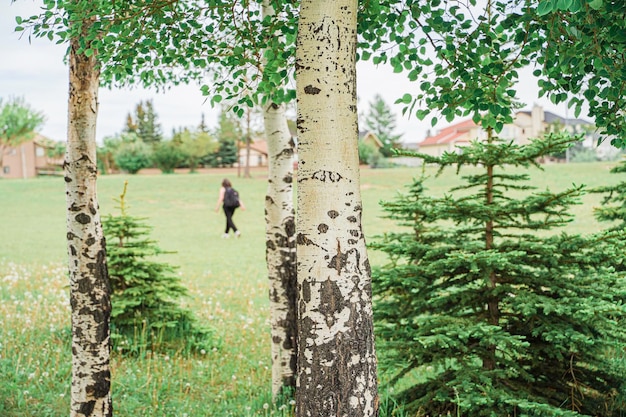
451	138
370	138
528	124
29	159
258	153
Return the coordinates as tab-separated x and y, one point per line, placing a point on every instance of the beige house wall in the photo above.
438	150
23	160
257	159
528	126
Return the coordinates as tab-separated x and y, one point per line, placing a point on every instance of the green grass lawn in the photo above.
227	279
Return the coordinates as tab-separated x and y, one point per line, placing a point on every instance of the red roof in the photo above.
451	134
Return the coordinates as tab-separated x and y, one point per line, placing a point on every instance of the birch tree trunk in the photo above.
336	357
280	243
89	280
281	249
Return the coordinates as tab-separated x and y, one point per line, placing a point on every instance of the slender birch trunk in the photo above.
280	243
281	249
336	356
89	280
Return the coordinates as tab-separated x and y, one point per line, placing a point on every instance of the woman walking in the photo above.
229	199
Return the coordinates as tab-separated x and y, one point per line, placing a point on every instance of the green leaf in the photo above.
596	4
407	98
564	4
576	6
545	7
421	114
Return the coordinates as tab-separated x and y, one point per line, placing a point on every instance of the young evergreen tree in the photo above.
613	211
490	311
497	318
146	293
381	121
613	207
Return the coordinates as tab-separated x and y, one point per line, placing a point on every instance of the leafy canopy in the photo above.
18	122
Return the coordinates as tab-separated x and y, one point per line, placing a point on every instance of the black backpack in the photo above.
231	198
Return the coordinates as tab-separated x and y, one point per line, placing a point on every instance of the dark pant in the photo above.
229	211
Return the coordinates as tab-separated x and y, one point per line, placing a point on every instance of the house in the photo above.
258	153
527	125
370	138
536	122
29	159
450	138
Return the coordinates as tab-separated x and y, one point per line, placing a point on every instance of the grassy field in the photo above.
227	279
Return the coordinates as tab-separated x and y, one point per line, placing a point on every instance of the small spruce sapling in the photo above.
145	292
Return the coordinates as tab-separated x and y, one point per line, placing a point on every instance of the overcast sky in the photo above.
36	72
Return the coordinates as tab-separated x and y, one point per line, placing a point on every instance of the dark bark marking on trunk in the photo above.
102	386
73	250
285	153
301	239
290	229
348	261
87	408
90	241
309	89
325	176
368	272
306	291
67	179
322	228
82	218
352	219
332	301
288	179
84	285
354	232
333	214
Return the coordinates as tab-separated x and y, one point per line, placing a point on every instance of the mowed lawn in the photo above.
227	279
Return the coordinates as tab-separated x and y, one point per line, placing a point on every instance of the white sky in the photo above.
36	72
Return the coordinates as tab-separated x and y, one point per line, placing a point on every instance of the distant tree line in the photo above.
141	144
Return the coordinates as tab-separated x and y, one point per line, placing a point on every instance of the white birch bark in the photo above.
280	243
281	248
336	356
89	281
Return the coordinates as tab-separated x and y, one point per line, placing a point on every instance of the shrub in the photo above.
584	155
366	150
167	156
133	156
